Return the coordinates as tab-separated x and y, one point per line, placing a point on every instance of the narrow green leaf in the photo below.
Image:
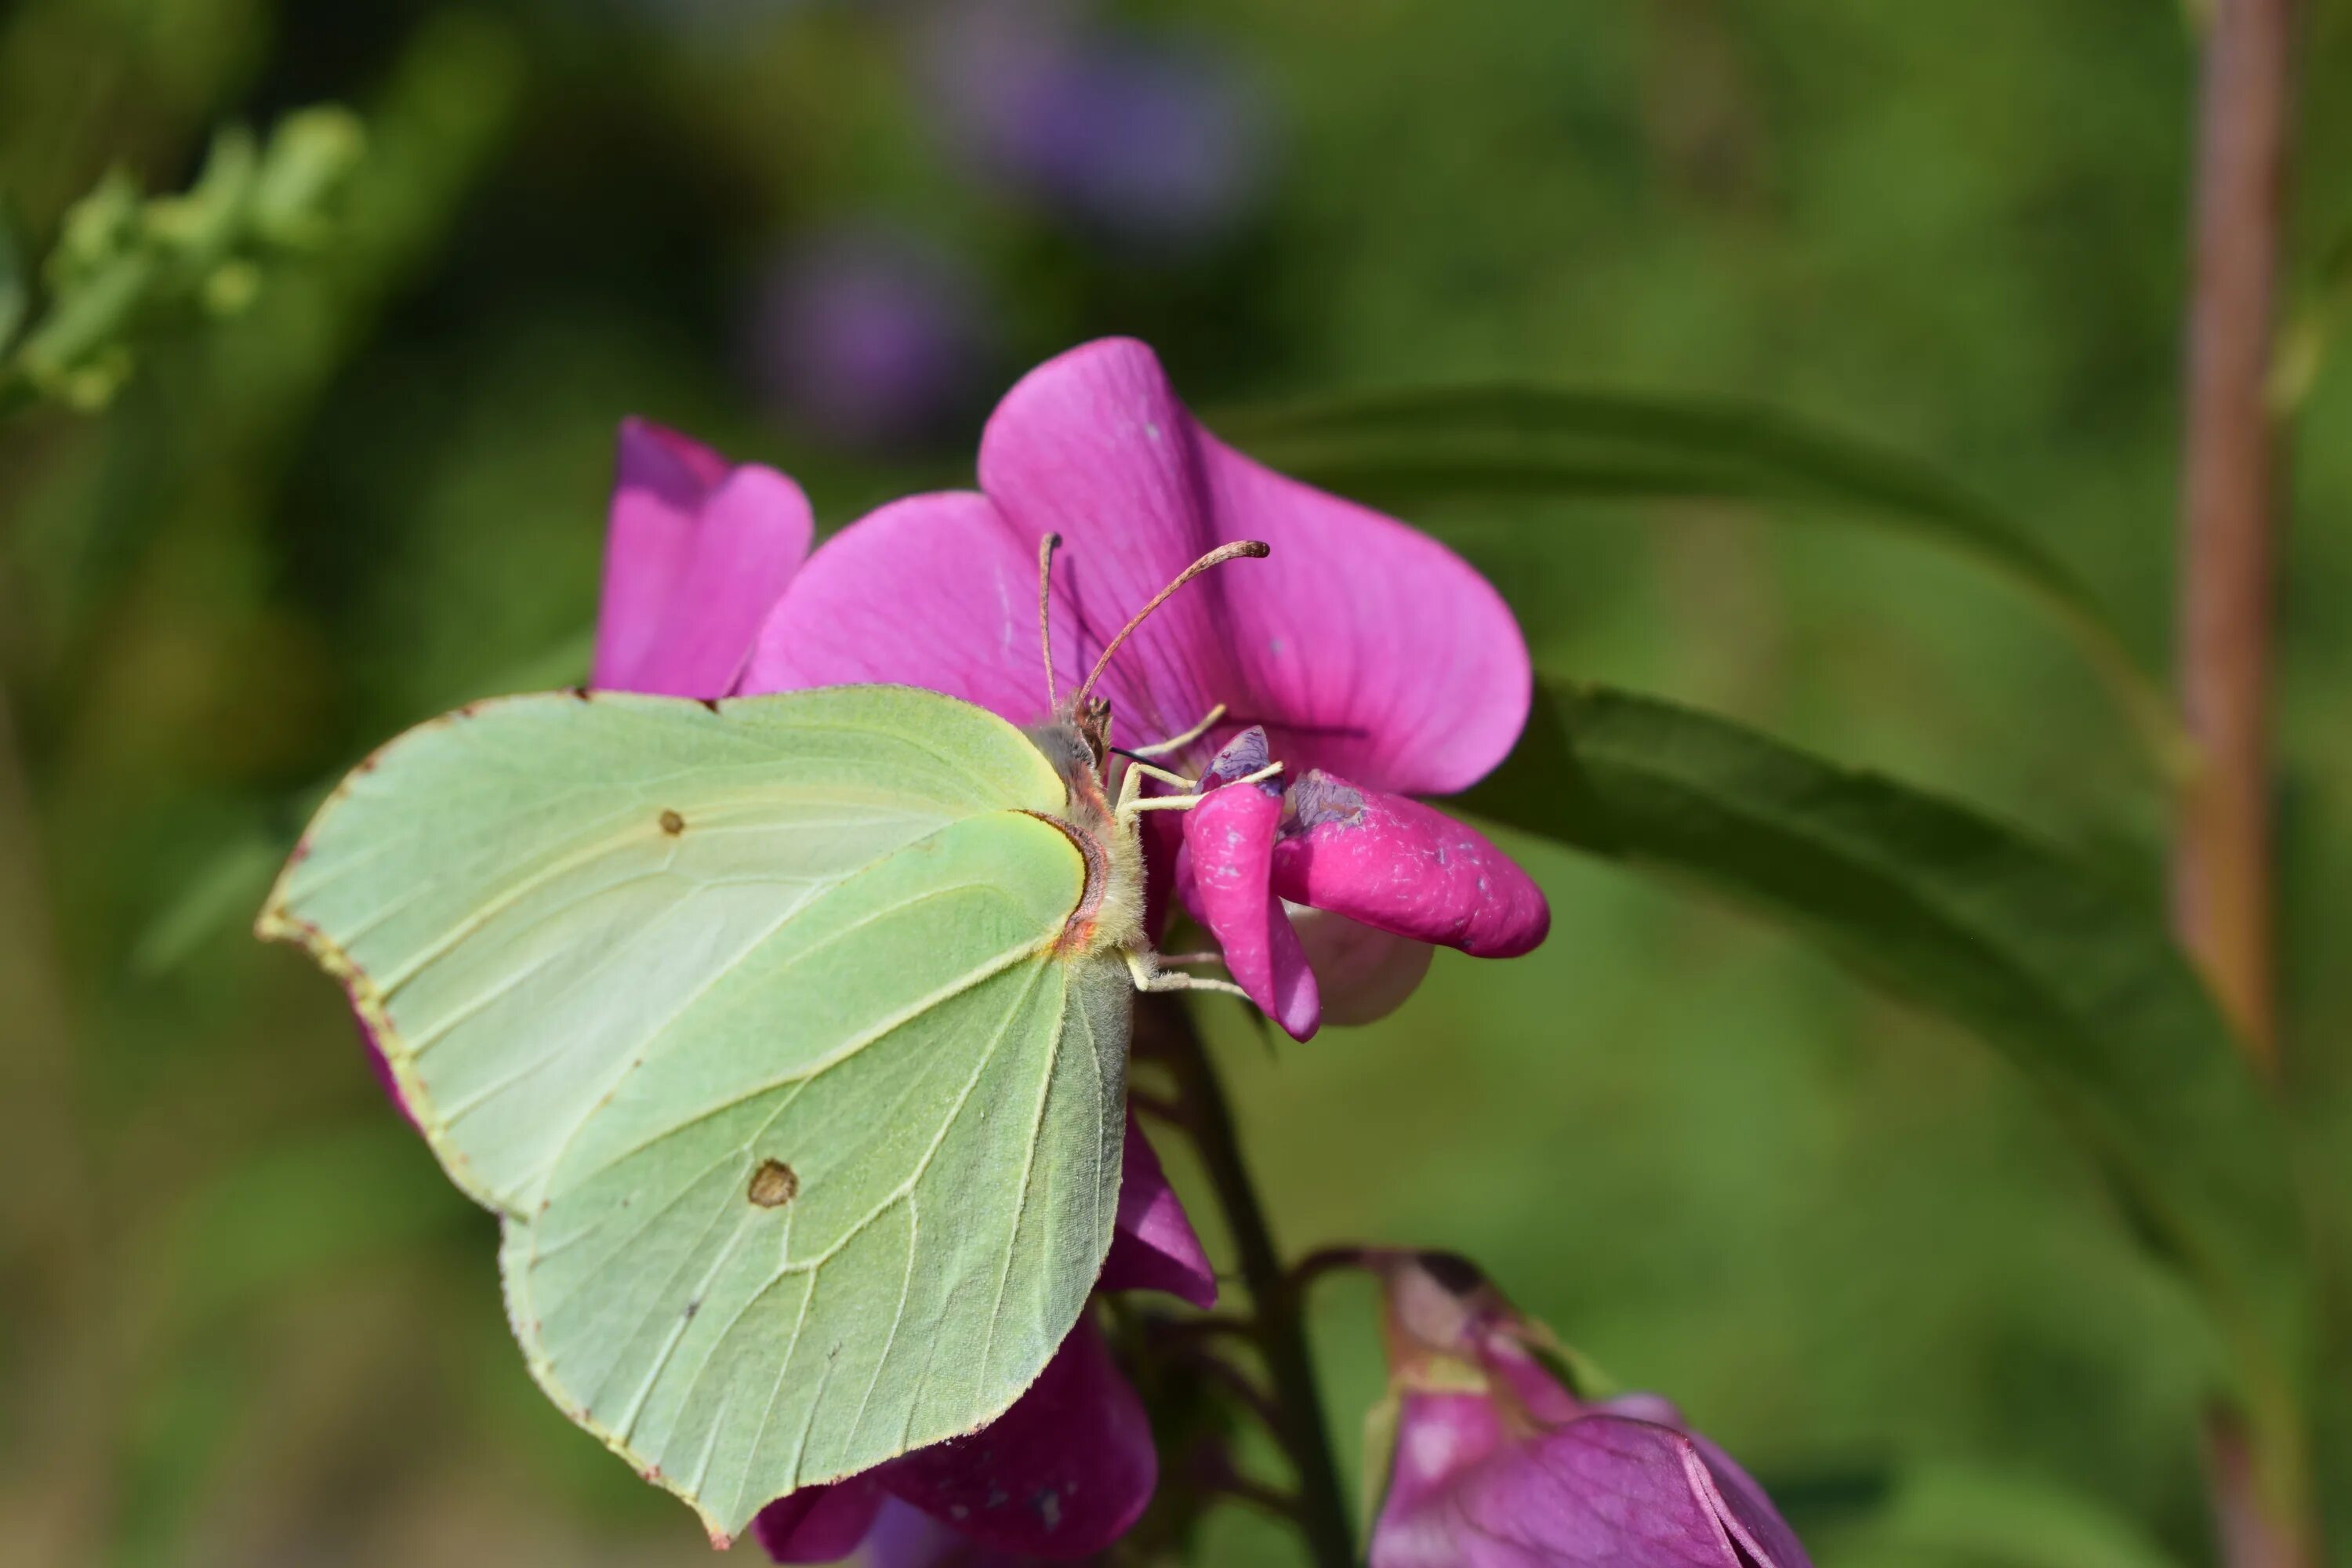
2072	980
1403	450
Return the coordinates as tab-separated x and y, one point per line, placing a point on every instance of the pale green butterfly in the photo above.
787	1035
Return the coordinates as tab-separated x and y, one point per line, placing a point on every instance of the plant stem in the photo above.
2222	872
2221	864
1281	1332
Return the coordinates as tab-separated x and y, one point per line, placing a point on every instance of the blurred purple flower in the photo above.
867	335
1369	659
1496	1465
1150	141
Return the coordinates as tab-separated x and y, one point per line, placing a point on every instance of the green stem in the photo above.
1281	1332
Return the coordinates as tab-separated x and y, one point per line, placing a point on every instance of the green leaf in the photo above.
1948	1513
2074	982
1403	450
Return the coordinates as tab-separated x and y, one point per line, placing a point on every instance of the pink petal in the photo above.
1229	844
1362	974
1539	1394
1599	1490
1152	1246
1387	655
1063	1473
1752	1519
1094	446
819	1524
905	1536
1396	865
932	590
694	555
1361	644
382	1068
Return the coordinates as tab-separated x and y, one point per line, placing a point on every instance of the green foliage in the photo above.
1408	450
2076	984
126	265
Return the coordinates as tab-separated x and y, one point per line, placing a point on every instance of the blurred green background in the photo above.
242	1317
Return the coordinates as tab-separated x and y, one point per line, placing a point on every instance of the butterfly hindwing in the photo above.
752	1024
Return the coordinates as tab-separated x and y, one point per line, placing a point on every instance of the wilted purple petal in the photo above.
819	1524
1063	1473
694	555
1229	843
1152	1244
1396	865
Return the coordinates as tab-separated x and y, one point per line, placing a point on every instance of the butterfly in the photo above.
786	1036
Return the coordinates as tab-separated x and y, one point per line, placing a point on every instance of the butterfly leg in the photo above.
1149	976
1131	798
1177	742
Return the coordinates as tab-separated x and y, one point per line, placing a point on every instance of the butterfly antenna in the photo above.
1217	557
1046	548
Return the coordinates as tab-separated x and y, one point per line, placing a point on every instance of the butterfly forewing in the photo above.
753	1024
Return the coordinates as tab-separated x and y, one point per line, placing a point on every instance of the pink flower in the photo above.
1368	658
698	553
1496	1465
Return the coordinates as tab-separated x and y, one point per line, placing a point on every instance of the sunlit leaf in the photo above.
2074	981
1407	450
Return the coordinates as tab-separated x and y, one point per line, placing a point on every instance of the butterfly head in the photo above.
1080	733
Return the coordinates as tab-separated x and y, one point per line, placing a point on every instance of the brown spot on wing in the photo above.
672	823
774	1184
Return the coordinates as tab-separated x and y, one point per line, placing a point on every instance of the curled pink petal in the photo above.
1063	1473
1229	845
696	554
818	1524
1152	1245
1398	865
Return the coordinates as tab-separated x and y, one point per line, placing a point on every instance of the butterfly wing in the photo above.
750	1025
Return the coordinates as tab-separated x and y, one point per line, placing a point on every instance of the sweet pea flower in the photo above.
1368	658
699	552
1497	1465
